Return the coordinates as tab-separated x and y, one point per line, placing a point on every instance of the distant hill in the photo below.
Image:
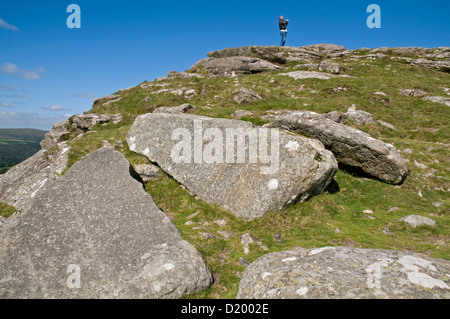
16	145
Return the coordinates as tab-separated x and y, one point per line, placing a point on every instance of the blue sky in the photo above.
49	72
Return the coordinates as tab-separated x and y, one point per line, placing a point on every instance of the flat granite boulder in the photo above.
244	169
96	233
351	147
345	273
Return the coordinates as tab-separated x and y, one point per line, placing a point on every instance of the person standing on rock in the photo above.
283	31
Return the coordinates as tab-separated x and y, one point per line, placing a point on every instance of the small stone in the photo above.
175	109
385	124
392	209
241	113
189	222
148	172
206	235
245	96
199	228
386	231
244	262
220	222
413	93
193	215
418	220
367	211
438	204
277	237
420	165
247	239
360	117
224	234
407	151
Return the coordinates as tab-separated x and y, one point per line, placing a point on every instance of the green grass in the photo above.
334	218
6	210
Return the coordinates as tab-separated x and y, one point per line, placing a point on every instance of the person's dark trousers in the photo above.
283	37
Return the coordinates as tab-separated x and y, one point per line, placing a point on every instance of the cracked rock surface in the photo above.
94	234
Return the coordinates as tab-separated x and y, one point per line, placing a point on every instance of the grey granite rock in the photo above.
175	109
238	114
418	220
105	100
350	146
25	180
301	75
413	93
272	54
360	117
85	122
386	124
148	172
438	99
336	116
96	233
345	273
244	96
235	66
58	132
295	169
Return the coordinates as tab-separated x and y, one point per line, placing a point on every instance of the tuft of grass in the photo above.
6	210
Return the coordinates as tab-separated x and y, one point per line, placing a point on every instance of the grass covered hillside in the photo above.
17	145
355	211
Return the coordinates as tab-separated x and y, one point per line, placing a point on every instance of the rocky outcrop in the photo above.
245	96
58	132
25	180
175	109
175	75
93	234
443	66
330	67
272	54
85	122
327	49
350	146
270	171
345	273
106	100
188	93
282	55
234	66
